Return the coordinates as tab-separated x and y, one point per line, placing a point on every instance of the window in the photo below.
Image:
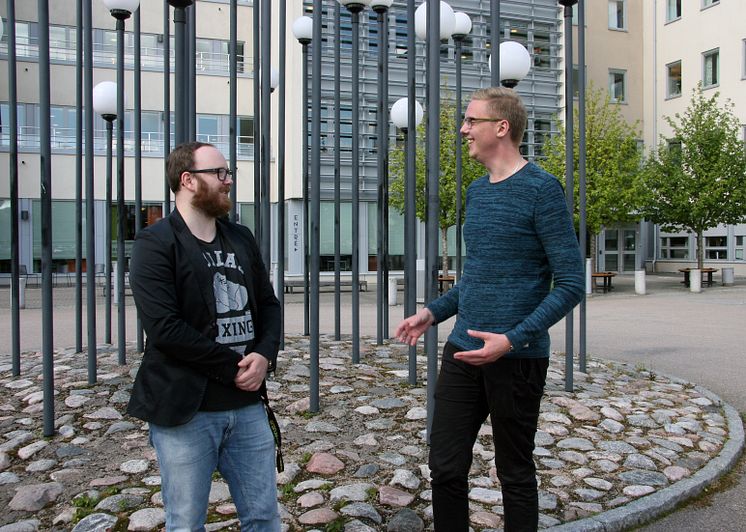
617	14
716	247
673	10
673	80
739	247
708	3
711	68
675	247
618	86
743	60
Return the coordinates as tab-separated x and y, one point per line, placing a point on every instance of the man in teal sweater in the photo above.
523	273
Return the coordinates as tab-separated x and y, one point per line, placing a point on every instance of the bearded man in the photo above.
213	331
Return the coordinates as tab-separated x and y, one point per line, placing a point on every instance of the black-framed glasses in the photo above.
220	173
469	121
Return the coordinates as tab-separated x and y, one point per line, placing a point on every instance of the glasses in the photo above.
469	121
220	173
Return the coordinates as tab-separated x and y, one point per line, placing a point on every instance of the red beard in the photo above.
212	202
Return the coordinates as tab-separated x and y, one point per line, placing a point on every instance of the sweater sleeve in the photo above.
555	230
445	306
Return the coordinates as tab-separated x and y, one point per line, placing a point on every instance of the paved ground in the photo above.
694	336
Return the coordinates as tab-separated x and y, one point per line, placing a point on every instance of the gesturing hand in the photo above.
251	372
414	326
495	346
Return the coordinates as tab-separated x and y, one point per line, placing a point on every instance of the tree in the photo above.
613	163
697	178
471	169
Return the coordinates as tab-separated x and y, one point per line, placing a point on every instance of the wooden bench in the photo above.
606	277
445	282
708	271
292	284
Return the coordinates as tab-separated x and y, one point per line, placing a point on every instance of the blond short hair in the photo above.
506	103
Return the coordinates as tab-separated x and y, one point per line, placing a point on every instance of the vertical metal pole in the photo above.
107	232
166	105
495	42
256	6
306	235
433	196
233	99
570	180
355	187
382	122
90	228
384	143
79	179
180	81
337	175
581	171
191	58
45	153
315	203
265	240
281	173
13	160
138	153
458	41
121	259
410	192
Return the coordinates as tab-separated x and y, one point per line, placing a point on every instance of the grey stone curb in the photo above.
647	508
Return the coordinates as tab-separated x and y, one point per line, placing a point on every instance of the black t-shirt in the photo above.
233	317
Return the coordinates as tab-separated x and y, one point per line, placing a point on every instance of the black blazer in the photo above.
172	288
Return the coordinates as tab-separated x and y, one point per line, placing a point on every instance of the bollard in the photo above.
113	283
21	293
392	291
728	277
640	282
695	280
588	277
420	280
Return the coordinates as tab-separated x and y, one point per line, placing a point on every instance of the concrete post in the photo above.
21	293
392	291
588	277
640	282
695	280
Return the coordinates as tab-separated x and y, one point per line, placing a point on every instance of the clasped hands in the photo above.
251	372
495	344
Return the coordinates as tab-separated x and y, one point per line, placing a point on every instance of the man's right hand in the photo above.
410	329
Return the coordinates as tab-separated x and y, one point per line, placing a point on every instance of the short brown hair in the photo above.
180	160
505	103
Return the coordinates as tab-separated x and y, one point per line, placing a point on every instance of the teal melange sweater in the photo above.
519	238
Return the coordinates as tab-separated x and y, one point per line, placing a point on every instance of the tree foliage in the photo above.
697	178
613	163
471	169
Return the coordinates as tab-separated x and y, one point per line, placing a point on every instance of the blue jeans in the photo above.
239	444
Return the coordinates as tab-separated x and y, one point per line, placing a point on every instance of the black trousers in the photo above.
510	391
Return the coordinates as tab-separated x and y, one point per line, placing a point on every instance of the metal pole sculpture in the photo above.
280	288
181	72
78	179
138	154
45	158
265	238
495	42
355	7
581	175
256	14
233	99
569	174
303	31
13	160
166	105
462	29
315	202
337	177
191	56
381	8
407	118
89	194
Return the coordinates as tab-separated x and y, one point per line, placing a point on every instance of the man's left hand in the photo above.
251	372
495	346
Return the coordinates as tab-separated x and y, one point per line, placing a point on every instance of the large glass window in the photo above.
673	10
716	247
739	247
673	80
326	235
618	85
675	247
396	238
617	14
708	3
711	68
63	234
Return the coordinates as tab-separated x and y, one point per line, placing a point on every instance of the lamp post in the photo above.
90	229
303	31
402	118
355	7
435	23
582	207
515	62
180	72
381	8
167	106
461	30
280	283
494	61
265	239
105	104
121	11
233	96
569	173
